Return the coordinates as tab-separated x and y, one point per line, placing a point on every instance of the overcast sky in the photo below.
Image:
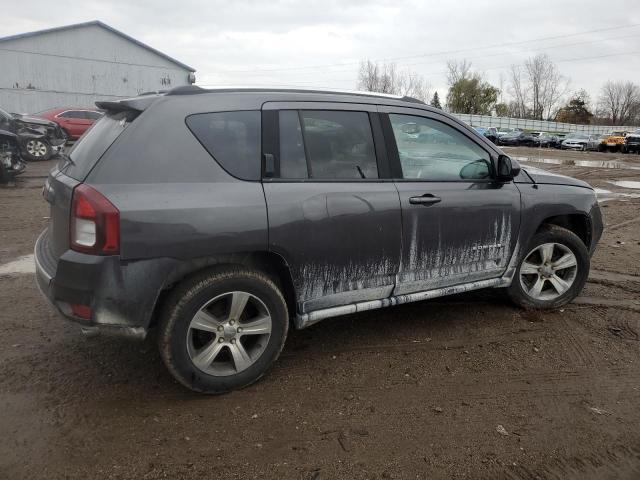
319	43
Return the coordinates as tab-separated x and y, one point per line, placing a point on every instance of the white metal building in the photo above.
76	65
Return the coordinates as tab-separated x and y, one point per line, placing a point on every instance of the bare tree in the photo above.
386	78
547	86
518	106
619	101
537	88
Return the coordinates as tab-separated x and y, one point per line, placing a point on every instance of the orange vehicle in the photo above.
613	142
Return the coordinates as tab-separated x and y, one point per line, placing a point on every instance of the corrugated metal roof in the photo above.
106	27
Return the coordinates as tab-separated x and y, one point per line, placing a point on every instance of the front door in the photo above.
459	225
333	217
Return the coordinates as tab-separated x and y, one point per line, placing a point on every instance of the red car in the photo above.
74	121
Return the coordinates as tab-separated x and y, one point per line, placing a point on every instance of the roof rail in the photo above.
186	90
195	90
412	100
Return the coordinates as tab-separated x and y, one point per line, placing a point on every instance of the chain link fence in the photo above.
536	125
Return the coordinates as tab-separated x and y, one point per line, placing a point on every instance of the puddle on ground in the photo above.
615	164
604	195
18	266
625	183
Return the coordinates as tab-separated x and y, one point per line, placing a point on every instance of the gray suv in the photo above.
220	217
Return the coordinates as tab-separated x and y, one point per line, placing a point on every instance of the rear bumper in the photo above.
121	295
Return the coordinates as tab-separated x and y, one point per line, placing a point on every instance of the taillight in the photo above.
95	223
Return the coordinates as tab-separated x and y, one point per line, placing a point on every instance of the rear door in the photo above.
334	213
459	225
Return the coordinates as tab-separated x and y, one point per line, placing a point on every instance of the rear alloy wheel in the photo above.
222	330
553	271
229	333
36	149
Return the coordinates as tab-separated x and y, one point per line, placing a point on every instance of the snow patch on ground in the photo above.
21	265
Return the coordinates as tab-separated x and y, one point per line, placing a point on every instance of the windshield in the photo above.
5	115
577	136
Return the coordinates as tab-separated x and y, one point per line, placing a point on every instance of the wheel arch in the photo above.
267	262
578	223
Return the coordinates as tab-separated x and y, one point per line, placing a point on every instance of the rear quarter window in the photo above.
233	139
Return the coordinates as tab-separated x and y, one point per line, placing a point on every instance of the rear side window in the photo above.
92	115
323	144
88	150
232	138
71	114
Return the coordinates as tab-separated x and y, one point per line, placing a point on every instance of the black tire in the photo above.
183	303
4	176
602	148
31	148
552	234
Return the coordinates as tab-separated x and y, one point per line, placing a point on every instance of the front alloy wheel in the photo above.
37	149
548	271
553	271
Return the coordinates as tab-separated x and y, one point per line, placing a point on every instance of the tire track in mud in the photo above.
632	305
581	354
619	461
612	277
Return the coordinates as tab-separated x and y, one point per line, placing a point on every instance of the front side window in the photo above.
232	138
432	151
323	144
293	161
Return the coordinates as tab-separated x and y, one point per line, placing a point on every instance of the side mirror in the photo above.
507	169
476	170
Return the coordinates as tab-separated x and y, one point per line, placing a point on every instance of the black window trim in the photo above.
394	156
271	139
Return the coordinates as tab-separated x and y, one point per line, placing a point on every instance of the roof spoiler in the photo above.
137	104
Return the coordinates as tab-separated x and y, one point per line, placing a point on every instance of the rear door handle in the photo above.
426	199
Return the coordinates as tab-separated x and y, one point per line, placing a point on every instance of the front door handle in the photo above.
426	199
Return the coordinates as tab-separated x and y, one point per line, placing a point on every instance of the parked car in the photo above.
542	139
613	142
11	163
73	121
510	139
557	139
39	139
575	141
276	212
507	131
528	139
594	141
490	132
632	142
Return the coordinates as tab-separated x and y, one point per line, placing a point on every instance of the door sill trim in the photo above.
306	319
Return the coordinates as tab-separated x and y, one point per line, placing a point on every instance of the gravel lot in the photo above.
462	387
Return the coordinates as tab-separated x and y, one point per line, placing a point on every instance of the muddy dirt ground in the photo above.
462	387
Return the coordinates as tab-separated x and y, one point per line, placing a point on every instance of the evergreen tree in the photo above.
435	101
